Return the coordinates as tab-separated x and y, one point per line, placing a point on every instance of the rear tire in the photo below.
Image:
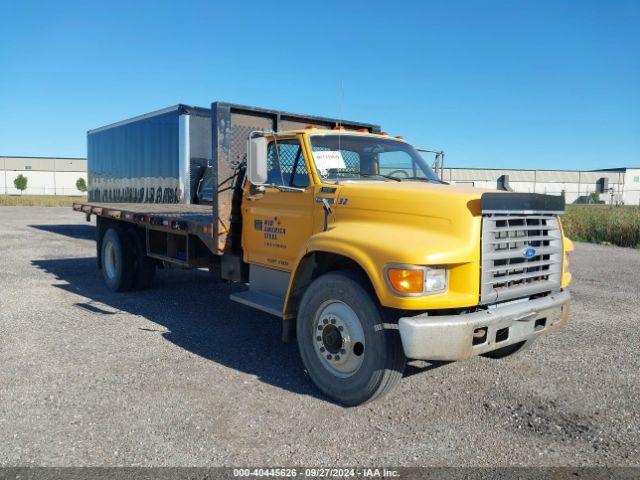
344	346
117	260
144	266
509	350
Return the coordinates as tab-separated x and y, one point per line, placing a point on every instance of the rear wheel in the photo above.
117	260
344	346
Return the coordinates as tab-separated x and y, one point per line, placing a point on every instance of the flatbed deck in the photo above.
200	215
176	218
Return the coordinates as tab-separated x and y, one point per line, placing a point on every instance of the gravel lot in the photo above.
181	376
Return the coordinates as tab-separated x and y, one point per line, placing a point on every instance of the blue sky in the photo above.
522	84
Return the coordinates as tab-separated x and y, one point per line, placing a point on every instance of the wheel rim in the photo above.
110	260
338	338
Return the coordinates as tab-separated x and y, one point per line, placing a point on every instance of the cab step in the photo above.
266	302
267	290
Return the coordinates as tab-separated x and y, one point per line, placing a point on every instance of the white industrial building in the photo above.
45	175
622	184
58	176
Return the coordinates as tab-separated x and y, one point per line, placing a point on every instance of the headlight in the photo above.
567	261
436	280
409	280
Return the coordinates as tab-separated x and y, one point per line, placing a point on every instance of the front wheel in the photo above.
343	342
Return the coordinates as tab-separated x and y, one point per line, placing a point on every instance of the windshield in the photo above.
359	157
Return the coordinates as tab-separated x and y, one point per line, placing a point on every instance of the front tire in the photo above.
117	260
344	346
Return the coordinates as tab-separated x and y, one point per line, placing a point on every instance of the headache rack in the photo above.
521	249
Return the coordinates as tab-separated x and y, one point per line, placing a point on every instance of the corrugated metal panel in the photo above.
593	177
45	164
559	176
519	175
480	174
70	165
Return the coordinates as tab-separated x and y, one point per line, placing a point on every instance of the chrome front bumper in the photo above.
451	337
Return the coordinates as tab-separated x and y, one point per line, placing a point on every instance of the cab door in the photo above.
276	223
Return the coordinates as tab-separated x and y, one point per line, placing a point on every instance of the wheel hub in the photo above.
338	338
332	339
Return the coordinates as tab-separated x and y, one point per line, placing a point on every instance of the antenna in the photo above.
340	112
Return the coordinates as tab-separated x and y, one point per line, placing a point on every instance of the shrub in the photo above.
617	225
81	184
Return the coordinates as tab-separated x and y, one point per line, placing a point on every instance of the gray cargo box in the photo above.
154	158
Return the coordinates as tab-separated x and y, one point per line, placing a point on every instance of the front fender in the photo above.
374	246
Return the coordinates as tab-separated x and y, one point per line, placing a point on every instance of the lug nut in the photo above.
337	357
329	357
343	351
333	321
319	327
322	349
318	338
341	328
325	321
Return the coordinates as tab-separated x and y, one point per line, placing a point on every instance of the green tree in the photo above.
20	183
81	184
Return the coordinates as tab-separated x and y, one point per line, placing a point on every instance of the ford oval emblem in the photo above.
529	252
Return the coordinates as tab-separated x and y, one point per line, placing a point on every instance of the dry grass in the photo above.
39	200
603	224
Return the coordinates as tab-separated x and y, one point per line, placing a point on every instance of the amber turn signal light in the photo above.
406	280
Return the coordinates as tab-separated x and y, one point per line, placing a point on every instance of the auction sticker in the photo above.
328	160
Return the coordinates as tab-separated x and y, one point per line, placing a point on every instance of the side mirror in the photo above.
257	160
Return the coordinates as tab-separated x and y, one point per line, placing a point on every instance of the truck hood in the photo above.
410	199
379	224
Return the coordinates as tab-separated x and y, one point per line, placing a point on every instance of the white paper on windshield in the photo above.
328	160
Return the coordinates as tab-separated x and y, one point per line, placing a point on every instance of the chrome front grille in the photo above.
521	256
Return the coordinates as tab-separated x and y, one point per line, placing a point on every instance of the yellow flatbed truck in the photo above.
368	258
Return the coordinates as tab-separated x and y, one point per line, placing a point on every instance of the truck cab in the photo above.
371	259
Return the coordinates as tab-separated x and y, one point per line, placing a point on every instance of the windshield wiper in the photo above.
367	174
424	179
285	188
